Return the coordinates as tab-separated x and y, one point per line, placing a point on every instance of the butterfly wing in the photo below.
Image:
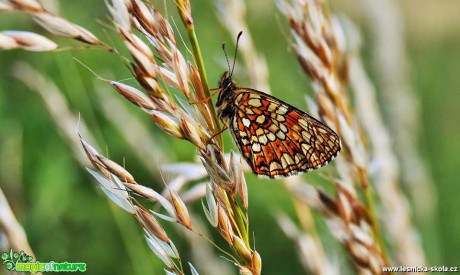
278	139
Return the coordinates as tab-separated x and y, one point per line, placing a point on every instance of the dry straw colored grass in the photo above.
327	50
179	119
320	48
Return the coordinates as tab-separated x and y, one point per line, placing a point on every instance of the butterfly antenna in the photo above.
226	56
236	51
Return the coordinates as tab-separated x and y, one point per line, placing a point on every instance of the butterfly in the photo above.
275	138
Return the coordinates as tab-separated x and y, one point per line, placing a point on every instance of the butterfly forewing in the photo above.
276	138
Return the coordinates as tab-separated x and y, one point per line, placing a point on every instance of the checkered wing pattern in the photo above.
278	139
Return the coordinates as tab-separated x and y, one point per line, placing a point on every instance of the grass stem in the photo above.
370	203
188	23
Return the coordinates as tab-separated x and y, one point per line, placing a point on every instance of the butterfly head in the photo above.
226	85
225	81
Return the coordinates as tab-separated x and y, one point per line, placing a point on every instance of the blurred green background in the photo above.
67	218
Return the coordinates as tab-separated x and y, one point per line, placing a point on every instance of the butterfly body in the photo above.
275	138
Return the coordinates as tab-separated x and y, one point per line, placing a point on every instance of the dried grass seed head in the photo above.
211	212
159	250
183	217
133	95
6	7
116	169
192	133
151	224
92	155
241	249
168	123
61	27
224	224
214	167
27	5
256	263
25	40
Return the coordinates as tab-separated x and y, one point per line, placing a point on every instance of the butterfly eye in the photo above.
227	82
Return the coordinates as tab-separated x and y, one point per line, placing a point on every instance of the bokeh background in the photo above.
67	218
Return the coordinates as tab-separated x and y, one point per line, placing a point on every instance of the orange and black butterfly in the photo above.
275	138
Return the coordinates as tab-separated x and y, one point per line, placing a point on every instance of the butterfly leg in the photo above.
216	90
216	134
